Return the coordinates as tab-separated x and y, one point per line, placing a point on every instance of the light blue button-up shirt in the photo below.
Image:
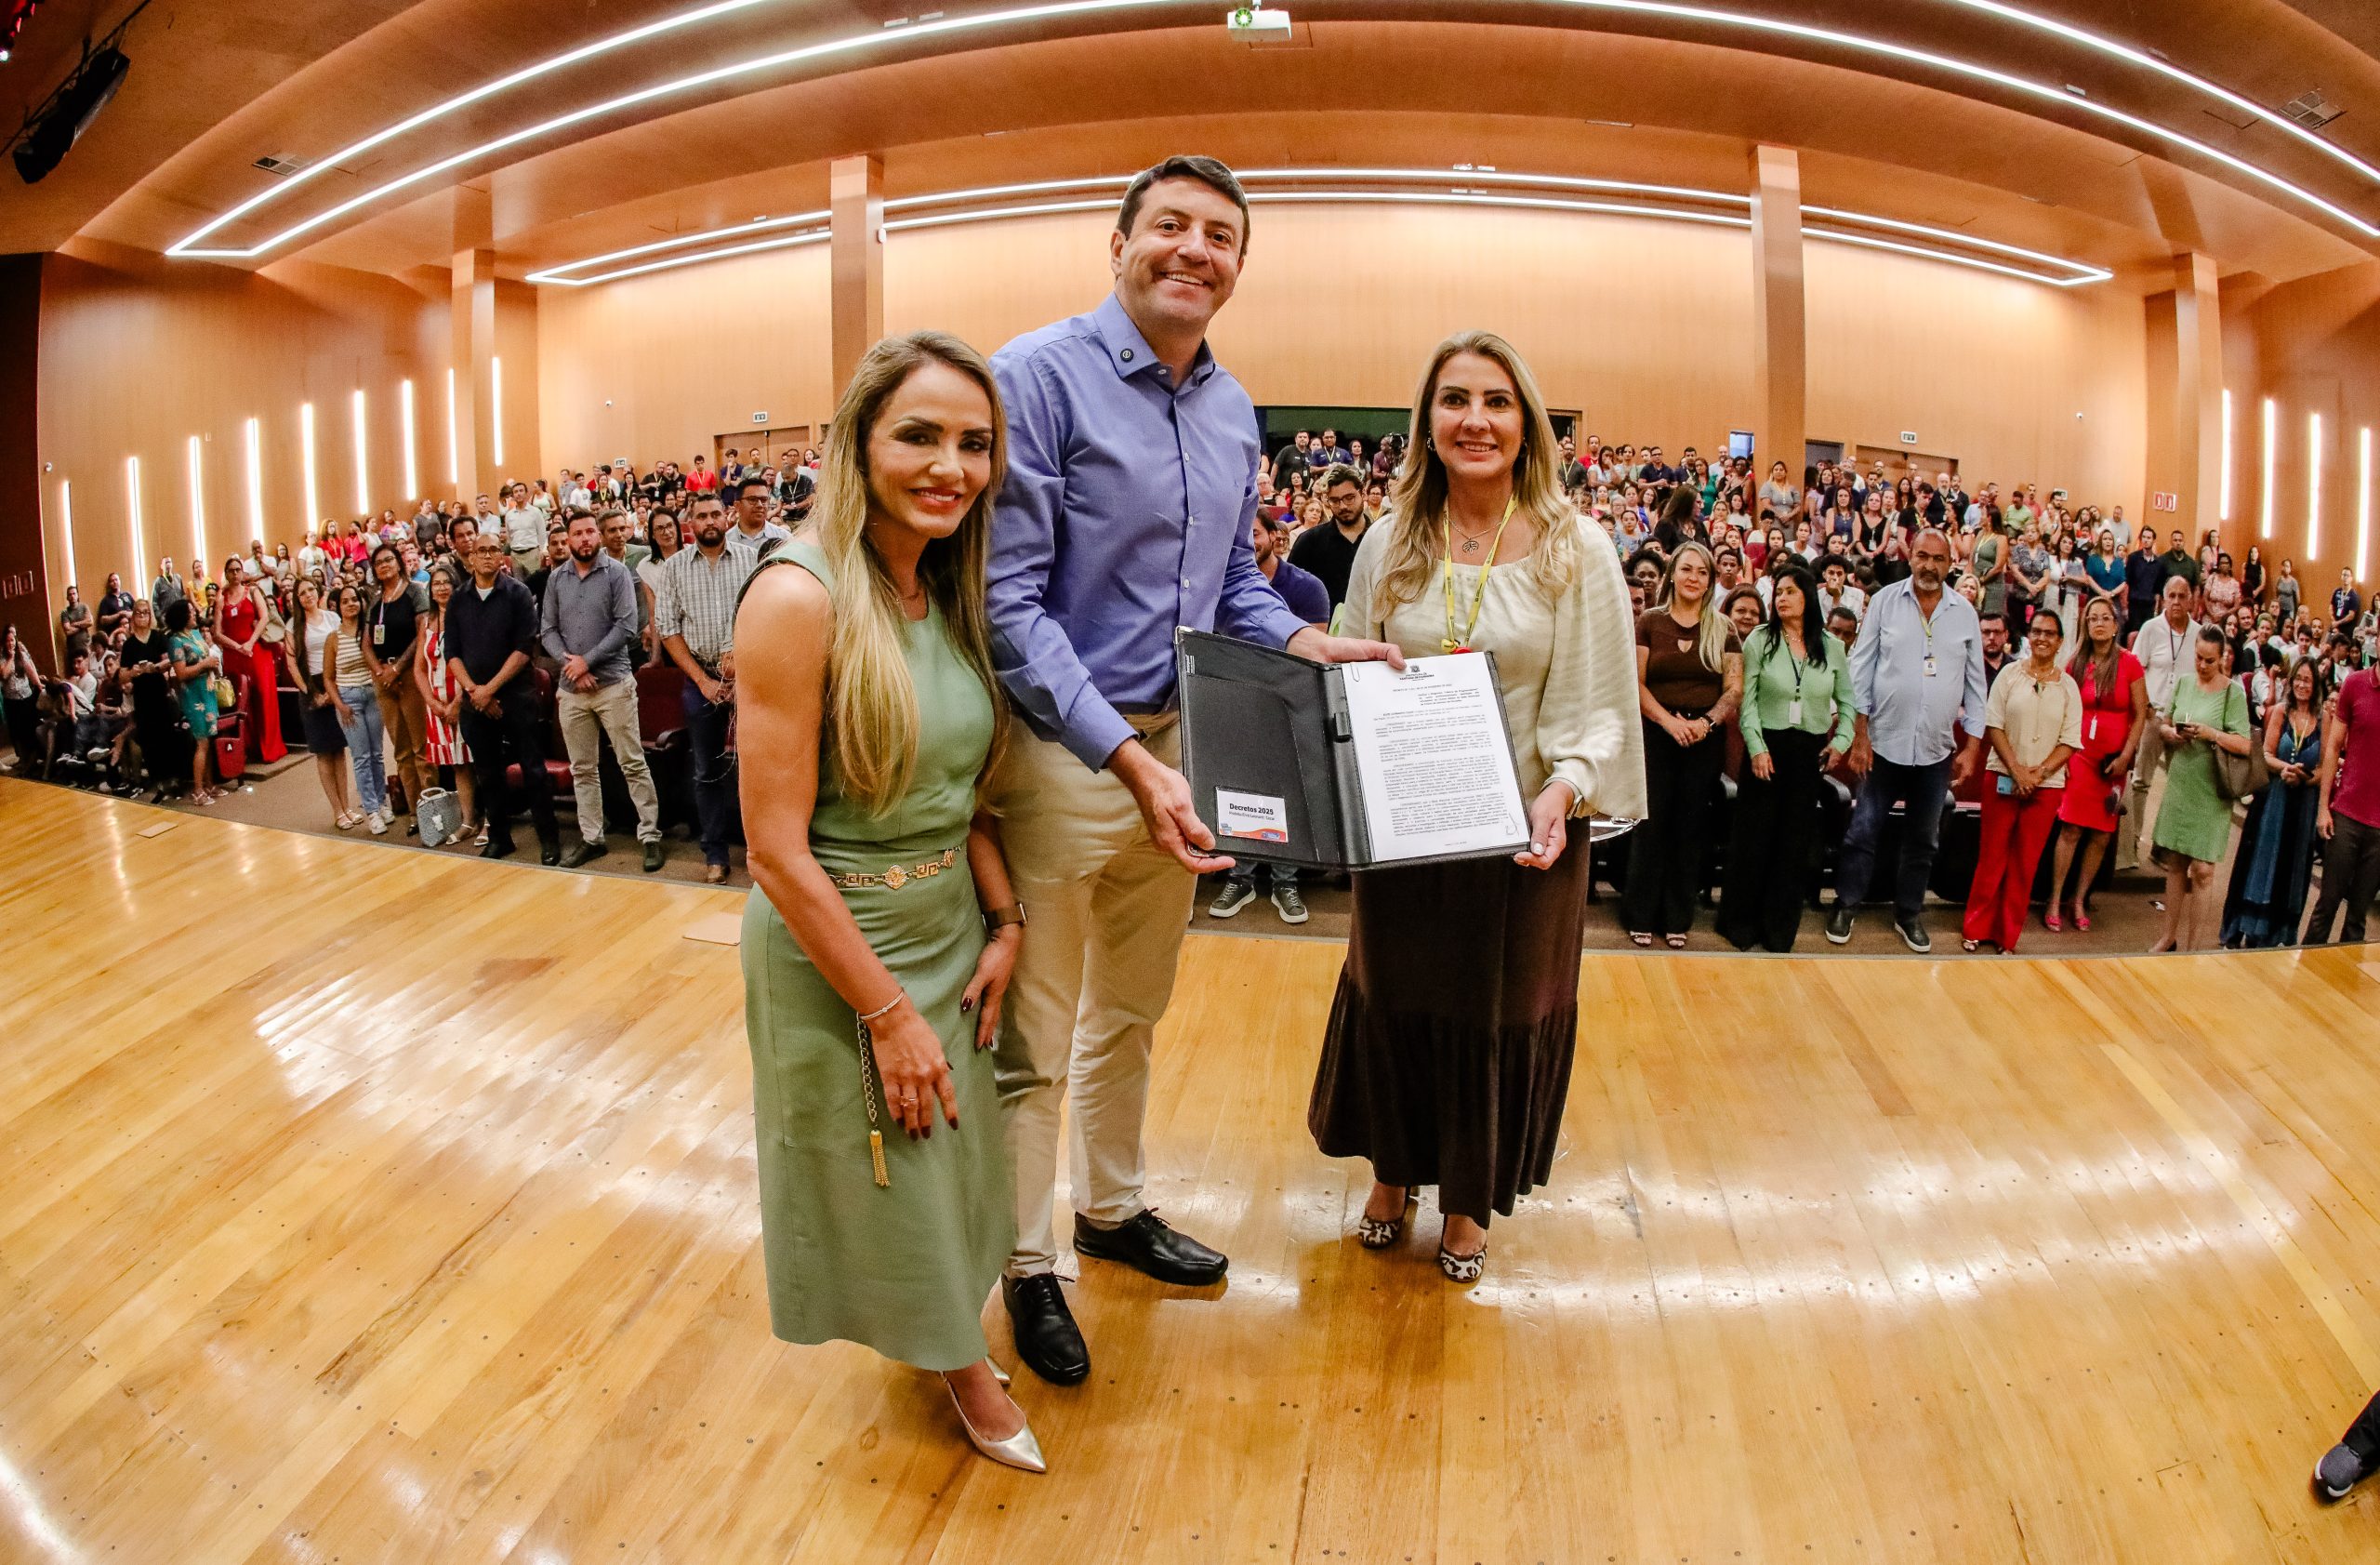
1913	716
1125	513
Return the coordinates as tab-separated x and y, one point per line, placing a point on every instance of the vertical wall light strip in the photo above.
66	519
306	454
412	477
362	462
197	498
132	518
2364	505
2272	443
2313	487
254	434
2223	514
454	435
496	409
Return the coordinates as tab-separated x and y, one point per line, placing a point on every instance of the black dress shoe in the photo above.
550	852
1146	1244
498	847
1047	1338
583	852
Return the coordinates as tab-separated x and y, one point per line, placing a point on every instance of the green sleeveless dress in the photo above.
904	1268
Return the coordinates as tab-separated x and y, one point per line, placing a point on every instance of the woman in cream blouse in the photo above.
1448	1056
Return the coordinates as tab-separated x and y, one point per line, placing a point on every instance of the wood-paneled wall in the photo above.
2317	350
137	355
1644	325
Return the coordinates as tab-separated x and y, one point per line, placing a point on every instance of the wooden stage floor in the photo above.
362	1206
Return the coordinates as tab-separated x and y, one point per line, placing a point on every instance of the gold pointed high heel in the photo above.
1020	1449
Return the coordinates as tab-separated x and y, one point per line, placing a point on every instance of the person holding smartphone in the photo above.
2207	712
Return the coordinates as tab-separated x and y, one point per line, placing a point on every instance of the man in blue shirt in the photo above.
1917	683
1131	488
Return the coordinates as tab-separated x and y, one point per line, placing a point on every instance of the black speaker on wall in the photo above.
70	113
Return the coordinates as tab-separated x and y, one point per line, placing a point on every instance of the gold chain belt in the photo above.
899	876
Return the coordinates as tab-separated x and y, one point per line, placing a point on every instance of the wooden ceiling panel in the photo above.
1696	108
307	79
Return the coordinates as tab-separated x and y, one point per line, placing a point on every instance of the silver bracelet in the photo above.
889	1006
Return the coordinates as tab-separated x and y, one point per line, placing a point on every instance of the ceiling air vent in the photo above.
2311	110
281	167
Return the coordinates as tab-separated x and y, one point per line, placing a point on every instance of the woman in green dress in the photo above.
882	928
2209	711
195	662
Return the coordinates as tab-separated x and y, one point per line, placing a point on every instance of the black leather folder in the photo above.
1264	724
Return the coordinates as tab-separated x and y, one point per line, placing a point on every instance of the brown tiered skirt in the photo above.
1447	1057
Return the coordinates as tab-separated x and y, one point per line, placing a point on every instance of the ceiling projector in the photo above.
1253	24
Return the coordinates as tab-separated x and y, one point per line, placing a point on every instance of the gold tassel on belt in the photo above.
867	1091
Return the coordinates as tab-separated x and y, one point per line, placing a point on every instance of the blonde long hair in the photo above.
872	724
1417	505
1711	629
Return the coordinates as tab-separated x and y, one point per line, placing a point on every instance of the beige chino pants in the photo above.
586	715
1106	910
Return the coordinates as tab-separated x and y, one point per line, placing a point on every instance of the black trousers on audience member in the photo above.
24	731
1665	851
714	769
2363	1437
516	732
2350	879
1776	830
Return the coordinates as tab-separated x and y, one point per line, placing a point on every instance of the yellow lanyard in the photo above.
1451	641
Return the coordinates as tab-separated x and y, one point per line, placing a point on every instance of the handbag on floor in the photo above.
439	814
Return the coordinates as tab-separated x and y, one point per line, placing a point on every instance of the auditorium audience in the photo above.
2206	713
1798	707
696	622
442	698
587	627
1918	686
2032	723
2275	864
391	623
326	733
2348	810
2130	623
490	630
350	679
1689	686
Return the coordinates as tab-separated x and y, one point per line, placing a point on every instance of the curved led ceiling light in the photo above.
2117	50
971	208
563	273
855	42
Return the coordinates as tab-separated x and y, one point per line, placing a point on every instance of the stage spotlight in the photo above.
58	123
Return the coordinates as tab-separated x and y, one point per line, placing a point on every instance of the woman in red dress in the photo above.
2115	713
241	618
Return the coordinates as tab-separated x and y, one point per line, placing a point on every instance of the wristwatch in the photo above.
998	919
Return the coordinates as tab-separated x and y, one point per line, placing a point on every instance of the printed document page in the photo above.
1433	758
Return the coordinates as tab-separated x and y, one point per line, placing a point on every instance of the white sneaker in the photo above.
377	823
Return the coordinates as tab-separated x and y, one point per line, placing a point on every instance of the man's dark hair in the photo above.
734	491
1992	614
1207	171
464	520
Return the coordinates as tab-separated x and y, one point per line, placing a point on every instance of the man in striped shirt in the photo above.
696	620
